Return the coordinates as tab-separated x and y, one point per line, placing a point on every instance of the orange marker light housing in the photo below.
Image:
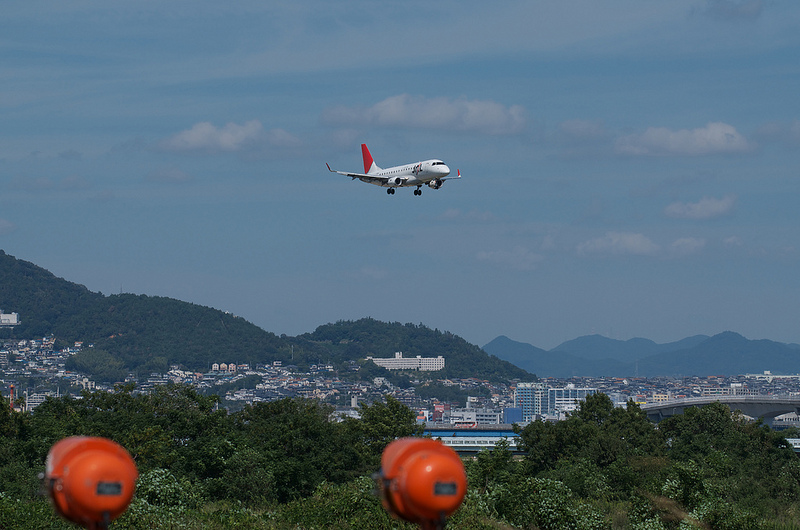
421	480
90	480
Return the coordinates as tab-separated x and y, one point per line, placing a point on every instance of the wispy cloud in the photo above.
204	136
619	243
732	241
6	227
714	138
687	245
706	208
47	184
404	110
207	138
518	258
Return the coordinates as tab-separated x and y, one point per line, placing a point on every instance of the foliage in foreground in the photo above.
287	465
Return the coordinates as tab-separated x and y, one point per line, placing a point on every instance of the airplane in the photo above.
432	173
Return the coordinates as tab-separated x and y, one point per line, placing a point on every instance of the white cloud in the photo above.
619	243
687	245
732	241
204	136
282	138
519	258
714	138
450	214
706	208
6	227
232	137
408	111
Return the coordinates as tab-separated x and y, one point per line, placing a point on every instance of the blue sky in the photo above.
631	167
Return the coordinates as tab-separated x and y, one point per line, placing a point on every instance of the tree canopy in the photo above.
293	464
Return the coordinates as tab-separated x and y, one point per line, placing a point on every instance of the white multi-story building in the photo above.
398	362
563	400
8	319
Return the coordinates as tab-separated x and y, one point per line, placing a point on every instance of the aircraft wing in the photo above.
361	176
451	177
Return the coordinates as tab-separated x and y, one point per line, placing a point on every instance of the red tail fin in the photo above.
367	158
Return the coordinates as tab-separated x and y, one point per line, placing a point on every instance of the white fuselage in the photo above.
410	174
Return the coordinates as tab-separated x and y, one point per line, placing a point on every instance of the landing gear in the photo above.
418	191
390	191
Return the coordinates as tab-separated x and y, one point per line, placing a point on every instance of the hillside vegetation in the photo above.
149	333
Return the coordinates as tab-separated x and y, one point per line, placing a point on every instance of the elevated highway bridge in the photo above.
472	440
764	407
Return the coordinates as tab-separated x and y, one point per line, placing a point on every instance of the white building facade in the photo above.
398	362
8	319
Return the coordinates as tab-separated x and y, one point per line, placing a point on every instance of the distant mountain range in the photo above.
596	356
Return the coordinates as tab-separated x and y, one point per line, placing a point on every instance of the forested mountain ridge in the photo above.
149	333
146	333
367	336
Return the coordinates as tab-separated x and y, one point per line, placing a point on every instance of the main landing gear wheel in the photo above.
390	191
417	191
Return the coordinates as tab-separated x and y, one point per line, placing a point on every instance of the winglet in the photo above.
329	168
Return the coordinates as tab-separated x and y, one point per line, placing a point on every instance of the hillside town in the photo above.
34	370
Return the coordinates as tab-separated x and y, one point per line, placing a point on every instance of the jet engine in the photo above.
436	183
396	181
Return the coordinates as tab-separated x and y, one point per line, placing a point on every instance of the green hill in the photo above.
149	333
357	339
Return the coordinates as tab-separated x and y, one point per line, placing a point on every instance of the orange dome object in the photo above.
422	481
90	480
